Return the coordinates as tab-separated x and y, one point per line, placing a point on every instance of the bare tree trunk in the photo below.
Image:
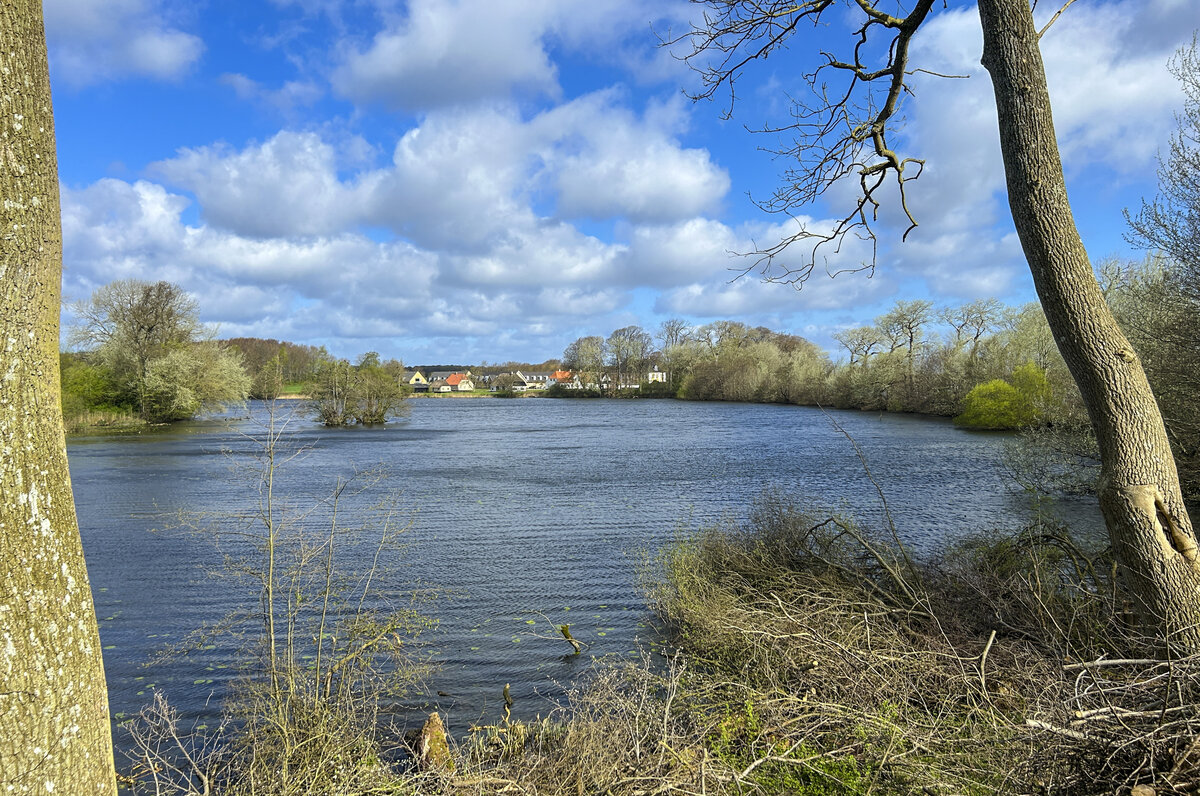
1147	521
54	728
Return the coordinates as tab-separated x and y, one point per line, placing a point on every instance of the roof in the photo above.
455	379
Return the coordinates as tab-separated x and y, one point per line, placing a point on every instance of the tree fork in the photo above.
54	727
1148	524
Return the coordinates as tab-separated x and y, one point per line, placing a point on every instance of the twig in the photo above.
983	663
1071	667
1054	18
1041	725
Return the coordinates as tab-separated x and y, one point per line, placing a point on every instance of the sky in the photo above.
487	180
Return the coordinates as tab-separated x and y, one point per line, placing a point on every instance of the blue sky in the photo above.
467	180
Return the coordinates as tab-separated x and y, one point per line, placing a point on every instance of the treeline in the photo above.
141	355
367	392
277	366
914	358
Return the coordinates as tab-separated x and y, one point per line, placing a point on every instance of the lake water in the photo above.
527	513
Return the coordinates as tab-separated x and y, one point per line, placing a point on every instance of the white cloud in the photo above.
442	53
699	248
469	182
291	96
1112	100
612	164
749	298
451	52
285	186
344	287
92	41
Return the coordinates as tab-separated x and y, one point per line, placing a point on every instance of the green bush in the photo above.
997	405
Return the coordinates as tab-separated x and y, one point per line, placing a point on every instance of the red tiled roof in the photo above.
454	380
560	375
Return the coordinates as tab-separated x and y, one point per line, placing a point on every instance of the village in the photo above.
463	381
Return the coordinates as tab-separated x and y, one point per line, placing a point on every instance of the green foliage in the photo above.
182	382
149	353
740	738
367	393
656	389
999	405
275	363
996	405
87	387
562	391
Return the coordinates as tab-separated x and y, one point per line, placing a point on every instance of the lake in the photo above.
524	513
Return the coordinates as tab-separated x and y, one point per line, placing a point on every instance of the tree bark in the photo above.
1147	521
54	728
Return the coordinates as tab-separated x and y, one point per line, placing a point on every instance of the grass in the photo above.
107	419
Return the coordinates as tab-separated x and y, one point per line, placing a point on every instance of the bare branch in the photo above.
1054	18
840	131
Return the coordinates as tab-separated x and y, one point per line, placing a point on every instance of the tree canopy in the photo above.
146	342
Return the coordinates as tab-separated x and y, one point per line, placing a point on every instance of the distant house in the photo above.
516	382
656	375
415	379
539	381
563	376
446	374
460	382
440	385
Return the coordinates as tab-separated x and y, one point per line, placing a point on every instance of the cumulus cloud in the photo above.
467	181
338	286
285	186
749	298
92	41
447	53
609	163
440	53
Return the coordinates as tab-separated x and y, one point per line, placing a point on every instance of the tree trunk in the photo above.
54	727
1147	521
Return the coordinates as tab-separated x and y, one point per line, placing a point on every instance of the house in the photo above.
416	380
515	382
440	385
563	376
460	382
656	375
539	381
446	374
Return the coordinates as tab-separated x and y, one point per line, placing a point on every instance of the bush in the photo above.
996	405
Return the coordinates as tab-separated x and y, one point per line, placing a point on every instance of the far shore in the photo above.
474	394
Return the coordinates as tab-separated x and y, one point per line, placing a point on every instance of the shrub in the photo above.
996	405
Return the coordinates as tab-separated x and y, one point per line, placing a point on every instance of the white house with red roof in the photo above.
460	382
